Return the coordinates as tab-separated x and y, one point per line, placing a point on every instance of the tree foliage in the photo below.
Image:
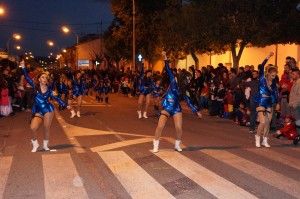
198	26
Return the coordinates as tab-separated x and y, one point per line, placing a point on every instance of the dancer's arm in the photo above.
59	101
27	77
261	67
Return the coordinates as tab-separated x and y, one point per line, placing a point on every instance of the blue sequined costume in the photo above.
62	88
171	100
78	87
268	96
157	89
146	83
41	104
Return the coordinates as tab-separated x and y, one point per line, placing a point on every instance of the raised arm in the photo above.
167	67
261	67
27	77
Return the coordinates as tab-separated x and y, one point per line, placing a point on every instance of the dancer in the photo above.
78	89
42	109
267	98
106	89
63	89
156	94
146	87
171	107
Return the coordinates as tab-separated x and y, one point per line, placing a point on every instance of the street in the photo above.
107	154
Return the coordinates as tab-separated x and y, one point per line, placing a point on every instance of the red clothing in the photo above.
4	98
289	131
286	82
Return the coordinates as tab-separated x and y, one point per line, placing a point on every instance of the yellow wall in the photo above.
250	56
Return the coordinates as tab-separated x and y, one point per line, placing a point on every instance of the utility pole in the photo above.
133	34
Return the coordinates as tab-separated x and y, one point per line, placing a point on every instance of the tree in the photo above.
238	23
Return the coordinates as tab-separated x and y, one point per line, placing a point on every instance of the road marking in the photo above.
257	171
278	157
213	183
121	144
60	174
68	132
137	182
5	164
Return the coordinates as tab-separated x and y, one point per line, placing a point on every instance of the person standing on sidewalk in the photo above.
267	98
42	109
294	101
253	86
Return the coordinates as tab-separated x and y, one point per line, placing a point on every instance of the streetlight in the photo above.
133	34
15	36
18	47
67	30
50	43
2	11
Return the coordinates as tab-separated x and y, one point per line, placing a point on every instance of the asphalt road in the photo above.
107	154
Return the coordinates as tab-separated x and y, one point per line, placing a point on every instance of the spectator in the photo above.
294	102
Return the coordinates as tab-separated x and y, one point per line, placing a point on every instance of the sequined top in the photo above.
267	96
41	100
146	83
171	100
78	87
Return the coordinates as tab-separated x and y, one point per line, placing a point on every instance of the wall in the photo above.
250	56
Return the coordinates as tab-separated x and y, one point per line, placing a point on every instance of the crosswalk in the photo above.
62	175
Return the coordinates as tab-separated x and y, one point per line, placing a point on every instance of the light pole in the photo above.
133	34
66	30
15	36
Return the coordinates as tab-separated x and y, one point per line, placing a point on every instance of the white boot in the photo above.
265	142
72	114
78	113
155	146
145	115
257	141
35	146
139	114
177	145
45	145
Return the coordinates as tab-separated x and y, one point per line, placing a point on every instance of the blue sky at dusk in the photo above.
40	20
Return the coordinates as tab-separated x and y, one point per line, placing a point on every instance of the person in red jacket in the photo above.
289	130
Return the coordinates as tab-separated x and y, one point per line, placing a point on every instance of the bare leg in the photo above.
140	102
34	125
161	124
148	98
262	124
79	102
268	122
47	124
178	125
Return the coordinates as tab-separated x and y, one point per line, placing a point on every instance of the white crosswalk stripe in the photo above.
257	171
137	182
207	179
61	178
5	164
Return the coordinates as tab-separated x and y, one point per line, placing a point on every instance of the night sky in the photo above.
40	20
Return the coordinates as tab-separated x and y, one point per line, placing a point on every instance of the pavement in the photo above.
107	154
